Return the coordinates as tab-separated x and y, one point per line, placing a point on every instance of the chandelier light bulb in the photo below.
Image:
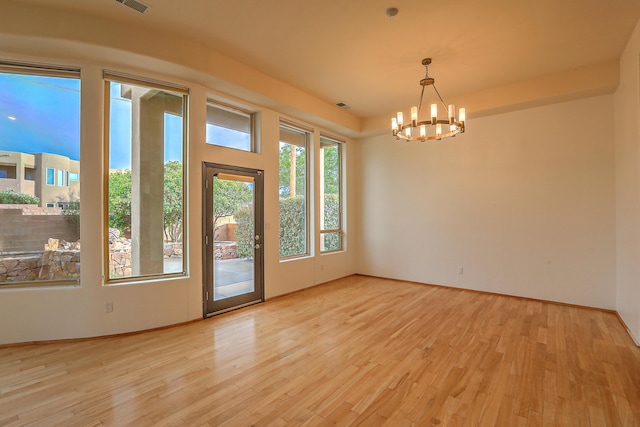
462	113
439	129
414	116
400	120
452	113
434	113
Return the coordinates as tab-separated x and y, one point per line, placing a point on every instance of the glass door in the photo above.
233	238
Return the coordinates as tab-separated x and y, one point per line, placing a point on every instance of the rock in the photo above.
52	245
114	234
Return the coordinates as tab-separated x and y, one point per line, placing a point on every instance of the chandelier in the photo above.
432	128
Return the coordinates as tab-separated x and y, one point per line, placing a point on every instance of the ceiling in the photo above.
350	51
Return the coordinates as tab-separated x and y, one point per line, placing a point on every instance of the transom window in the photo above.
229	127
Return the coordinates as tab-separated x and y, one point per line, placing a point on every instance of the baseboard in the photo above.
624	324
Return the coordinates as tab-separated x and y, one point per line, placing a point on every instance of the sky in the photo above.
41	115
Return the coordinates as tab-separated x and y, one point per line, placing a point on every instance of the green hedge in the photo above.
244	232
292	226
10	197
331	222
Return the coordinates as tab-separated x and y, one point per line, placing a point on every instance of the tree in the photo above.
173	201
285	169
120	200
331	169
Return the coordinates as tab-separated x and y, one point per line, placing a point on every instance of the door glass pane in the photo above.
234	236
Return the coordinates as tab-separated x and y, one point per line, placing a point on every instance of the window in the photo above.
51	205
60	178
145	183
40	123
51	176
7	171
293	183
29	174
229	127
73	176
330	194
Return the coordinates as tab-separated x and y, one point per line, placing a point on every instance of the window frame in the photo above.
340	144
51	71
122	78
308	146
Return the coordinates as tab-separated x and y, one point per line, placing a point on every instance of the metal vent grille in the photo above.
135	5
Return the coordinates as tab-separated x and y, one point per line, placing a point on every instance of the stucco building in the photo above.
53	178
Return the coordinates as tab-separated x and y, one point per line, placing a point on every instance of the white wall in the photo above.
35	314
627	142
523	201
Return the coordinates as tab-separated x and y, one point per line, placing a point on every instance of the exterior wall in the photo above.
21	161
56	193
31	232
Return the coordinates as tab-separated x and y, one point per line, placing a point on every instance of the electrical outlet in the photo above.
108	307
460	270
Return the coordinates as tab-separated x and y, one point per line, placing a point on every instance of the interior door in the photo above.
233	204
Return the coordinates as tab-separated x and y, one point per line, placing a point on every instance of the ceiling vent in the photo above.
135	5
343	105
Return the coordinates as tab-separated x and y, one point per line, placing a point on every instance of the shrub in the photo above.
244	232
292	226
10	197
331	222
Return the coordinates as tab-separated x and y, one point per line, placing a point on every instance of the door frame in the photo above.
208	171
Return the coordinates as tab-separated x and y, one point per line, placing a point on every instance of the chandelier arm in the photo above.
441	100
420	101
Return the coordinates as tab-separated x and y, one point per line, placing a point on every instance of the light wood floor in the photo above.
358	351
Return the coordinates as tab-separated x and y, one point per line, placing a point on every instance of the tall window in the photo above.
39	134
229	127
51	176
145	182
294	197
330	194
